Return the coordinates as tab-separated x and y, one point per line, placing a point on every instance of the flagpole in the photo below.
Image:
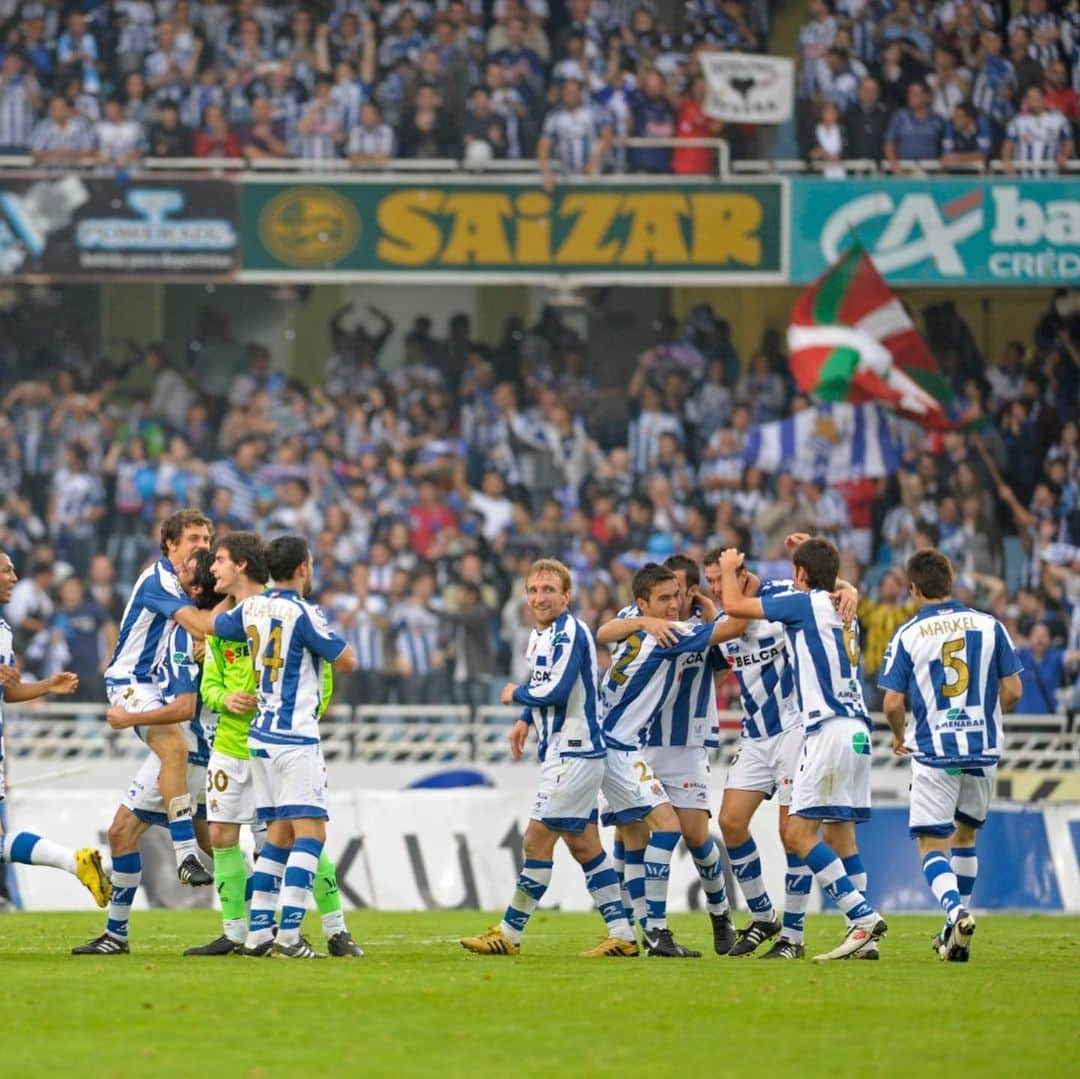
987	460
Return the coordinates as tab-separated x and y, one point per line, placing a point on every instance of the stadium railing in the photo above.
454	733
443	167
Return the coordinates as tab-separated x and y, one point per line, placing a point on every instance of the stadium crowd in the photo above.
427	476
956	80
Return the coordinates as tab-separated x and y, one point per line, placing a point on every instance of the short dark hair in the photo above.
648	577
202	577
931	573
248	548
712	556
285	555
173	527
685	563
820	560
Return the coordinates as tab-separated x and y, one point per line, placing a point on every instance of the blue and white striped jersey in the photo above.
642	676
179	672
825	652
1037	138
416	637
948	661
7	659
765	674
289	641
687	715
560	700
156	598
363	633
574	134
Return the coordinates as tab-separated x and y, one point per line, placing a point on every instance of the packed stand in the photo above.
956	82
111	82
427	476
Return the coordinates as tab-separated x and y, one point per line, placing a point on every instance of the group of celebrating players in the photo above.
224	669
633	750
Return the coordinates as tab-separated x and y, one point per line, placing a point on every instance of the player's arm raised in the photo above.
736	604
179	710
618	629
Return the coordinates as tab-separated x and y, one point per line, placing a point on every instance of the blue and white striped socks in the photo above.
634	878
856	871
836	884
182	828
965	864
942	881
265	885
531	884
299	875
603	884
126	874
27	848
711	873
746	865
657	871
797	882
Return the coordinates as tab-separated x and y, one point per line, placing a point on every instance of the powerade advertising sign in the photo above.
92	227
936	232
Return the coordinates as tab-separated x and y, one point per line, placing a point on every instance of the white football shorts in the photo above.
832	782
566	799
767	765
230	791
144	798
942	796
631	791
684	773
290	782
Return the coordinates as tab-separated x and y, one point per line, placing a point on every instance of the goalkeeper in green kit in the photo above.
228	688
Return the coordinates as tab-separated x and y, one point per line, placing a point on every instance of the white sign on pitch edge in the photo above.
747	89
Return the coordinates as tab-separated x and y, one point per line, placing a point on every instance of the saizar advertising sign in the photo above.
410	230
942	231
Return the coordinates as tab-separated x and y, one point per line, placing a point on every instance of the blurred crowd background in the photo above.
954	81
427	474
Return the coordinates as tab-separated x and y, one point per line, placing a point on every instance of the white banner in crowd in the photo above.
749	89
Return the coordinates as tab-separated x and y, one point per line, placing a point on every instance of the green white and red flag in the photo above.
850	339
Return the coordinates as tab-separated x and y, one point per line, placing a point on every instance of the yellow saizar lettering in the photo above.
655	230
477	233
585	243
408	235
725	229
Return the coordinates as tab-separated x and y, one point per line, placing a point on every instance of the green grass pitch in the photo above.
418	1004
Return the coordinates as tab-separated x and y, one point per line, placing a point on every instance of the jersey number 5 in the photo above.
951	674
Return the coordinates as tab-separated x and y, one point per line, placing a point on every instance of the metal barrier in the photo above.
453	733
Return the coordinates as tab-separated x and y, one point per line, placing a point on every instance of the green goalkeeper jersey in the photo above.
227	669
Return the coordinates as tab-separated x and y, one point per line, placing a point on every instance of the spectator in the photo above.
866	122
215	139
1059	95
1038	140
321	128
86	633
119	140
1042	673
371	141
914	133
473	645
78	505
30	608
63	138
428	131
77	49
840	85
692	123
20	100
967	140
575	134
168	137
1027	69
420	656
654	118
880	618
363	618
829	149
264	137
949	83
483	130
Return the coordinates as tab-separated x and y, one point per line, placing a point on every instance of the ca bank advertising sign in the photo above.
938	232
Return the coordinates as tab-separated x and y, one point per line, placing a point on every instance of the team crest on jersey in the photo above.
560	638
